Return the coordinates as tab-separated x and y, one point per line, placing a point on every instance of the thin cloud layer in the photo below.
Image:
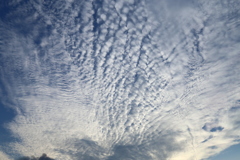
4	156
104	80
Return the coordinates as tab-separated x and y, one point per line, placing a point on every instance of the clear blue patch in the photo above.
231	153
215	129
6	115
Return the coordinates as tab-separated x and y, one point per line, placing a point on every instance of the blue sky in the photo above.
6	113
231	153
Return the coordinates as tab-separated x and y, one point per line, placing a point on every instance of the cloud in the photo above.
43	157
157	148
152	80
160	148
4	156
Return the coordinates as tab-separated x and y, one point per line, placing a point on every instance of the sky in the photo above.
119	79
231	153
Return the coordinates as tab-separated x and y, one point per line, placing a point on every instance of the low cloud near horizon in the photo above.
43	157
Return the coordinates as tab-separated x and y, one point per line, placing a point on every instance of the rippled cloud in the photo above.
109	80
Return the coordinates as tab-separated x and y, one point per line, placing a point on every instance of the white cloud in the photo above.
3	156
123	77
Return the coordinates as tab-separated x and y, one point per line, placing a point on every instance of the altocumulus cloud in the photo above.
120	80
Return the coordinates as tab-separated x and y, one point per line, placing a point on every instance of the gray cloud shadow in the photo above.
43	157
158	147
